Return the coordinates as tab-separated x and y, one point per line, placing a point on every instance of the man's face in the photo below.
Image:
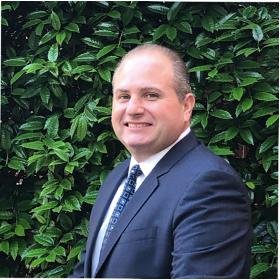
147	116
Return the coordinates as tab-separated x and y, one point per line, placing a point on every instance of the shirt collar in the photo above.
148	164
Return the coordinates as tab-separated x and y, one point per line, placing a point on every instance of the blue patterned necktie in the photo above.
128	191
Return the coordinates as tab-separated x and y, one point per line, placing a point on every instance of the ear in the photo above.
188	104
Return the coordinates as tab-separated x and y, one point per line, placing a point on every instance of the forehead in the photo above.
145	66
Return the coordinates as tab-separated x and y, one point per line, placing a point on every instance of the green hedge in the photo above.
57	143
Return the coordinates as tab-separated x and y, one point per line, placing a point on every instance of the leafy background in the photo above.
57	143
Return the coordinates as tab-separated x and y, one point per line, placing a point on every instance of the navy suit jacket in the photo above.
190	218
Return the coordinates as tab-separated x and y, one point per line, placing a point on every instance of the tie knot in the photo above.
135	171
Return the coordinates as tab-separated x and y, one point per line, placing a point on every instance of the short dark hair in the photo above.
180	70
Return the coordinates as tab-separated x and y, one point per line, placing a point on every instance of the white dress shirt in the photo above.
146	166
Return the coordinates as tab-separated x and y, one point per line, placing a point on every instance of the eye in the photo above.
152	96
123	97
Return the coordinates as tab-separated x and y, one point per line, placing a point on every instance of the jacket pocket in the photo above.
138	235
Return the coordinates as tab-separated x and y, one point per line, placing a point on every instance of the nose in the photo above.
135	106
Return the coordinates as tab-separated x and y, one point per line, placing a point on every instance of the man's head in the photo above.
180	71
151	105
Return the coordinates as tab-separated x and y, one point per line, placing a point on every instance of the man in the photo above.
189	215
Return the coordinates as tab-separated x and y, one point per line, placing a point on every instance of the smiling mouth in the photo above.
137	124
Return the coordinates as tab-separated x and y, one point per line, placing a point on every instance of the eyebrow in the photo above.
143	89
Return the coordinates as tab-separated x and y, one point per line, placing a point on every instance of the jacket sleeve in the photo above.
212	229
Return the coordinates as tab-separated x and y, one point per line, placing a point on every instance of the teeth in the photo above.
137	124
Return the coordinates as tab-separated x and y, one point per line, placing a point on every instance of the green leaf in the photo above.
85	57
222	77
19	230
66	237
29	135
39	29
208	23
92	42
271	42
73	202
31	23
37	14
247	51
65	222
46	206
221	114
268	143
203	42
246	104
231	133
82	128
248	64
60	37
221	151
75	251
258	269
217	138
105	73
249	11
85	227
257	33
248	81
194	52
5	139
6	7
264	112
44	240
271	120
103	110
20	61
53	53
265	96
32	125
238	93
173	10
160	31
73	27
5	247
60	251
250	185
171	33
48	190
48	36
61	154
105	33
159	9
55	21
52	126
114	14
247	136
14	249
105	51
104	135
66	184
206	67
34	145
4	228
131	30
272	228
260	249
33	67
183	26
17	76
37	262
36	253
83	68
6	215
17	164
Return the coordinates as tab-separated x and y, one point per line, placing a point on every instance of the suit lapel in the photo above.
101	206
145	191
